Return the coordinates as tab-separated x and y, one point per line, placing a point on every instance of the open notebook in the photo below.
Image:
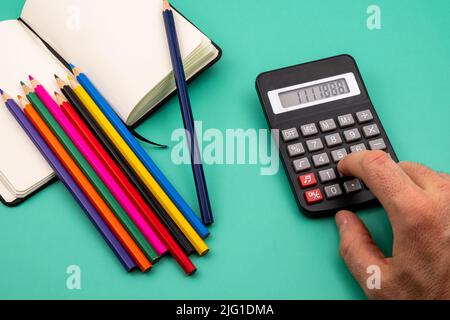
121	46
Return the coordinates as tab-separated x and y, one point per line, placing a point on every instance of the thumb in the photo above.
358	249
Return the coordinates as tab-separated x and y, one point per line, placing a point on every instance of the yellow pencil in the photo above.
197	242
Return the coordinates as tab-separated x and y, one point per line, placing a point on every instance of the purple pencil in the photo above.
68	181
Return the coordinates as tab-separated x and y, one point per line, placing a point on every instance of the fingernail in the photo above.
341	220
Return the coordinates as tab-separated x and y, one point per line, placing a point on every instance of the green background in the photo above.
261	246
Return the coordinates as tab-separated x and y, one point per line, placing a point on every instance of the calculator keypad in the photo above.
371	131
346	120
314	145
320	160
309	129
352	186
327	125
352	135
333	191
296	149
333	140
377	144
307	180
316	148
301	165
289	134
364	116
358	148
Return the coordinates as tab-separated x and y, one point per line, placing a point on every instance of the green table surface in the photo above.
261	246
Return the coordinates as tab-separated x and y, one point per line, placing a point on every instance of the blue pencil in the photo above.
69	182
186	111
146	160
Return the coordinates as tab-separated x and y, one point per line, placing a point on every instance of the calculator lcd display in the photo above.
314	93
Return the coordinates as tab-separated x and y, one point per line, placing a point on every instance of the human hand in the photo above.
417	201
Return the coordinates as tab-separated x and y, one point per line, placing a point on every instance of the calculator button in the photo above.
307	180
313	196
352	135
346	120
371	131
321	160
327	175
358	148
364	116
327	125
314	145
377	144
296	149
289	134
333	140
301	164
309	129
352	186
338	154
333	191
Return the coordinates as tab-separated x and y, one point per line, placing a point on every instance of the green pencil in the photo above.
90	174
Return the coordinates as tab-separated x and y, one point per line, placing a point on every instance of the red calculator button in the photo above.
307	180
313	196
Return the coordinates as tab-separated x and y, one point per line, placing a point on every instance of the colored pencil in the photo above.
81	111
95	199
139	151
90	173
188	118
197	242
98	166
115	171
70	184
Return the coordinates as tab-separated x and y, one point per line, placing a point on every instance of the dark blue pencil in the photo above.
186	111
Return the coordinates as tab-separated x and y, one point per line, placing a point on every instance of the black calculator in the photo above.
323	112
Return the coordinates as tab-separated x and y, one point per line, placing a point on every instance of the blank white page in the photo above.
22	54
121	45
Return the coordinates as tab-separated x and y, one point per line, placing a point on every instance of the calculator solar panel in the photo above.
323	112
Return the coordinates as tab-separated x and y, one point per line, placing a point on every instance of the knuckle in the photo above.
374	158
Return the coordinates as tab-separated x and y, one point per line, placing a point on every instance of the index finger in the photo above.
387	181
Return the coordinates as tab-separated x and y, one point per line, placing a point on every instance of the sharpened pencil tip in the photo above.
22	83
56	93
166	5
1	92
56	77
31	78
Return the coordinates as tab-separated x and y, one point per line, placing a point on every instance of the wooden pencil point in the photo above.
72	82
59	99
5	96
26	89
76	71
60	82
34	83
22	102
166	5
1	92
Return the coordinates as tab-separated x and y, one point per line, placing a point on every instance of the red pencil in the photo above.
173	247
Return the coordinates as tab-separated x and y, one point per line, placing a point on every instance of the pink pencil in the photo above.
99	168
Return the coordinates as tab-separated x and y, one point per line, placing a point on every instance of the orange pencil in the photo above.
93	196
